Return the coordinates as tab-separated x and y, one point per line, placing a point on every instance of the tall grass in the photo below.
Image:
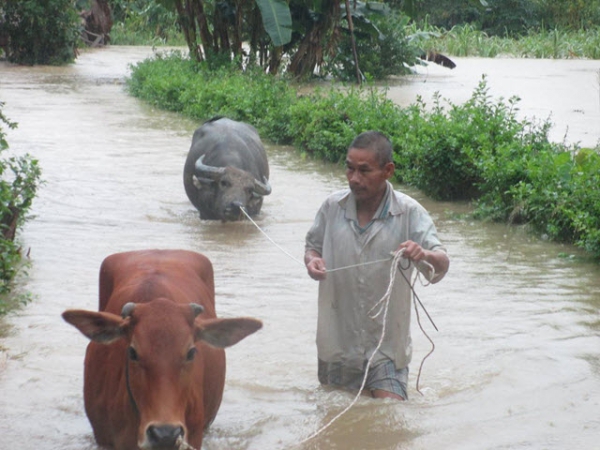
465	40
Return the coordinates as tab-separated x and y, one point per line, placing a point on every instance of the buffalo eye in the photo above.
133	355
191	354
224	184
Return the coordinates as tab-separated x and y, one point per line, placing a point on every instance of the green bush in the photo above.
479	151
41	31
323	123
19	179
195	89
385	51
145	22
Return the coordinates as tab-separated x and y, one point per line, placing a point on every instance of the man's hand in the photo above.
315	265
437	259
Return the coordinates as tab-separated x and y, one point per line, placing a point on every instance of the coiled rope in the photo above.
383	305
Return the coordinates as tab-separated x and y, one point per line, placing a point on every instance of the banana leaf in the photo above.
277	20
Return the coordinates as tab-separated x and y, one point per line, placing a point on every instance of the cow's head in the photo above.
232	187
164	360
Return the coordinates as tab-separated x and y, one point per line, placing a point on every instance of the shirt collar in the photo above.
389	205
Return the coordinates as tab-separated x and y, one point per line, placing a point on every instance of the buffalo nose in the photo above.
233	211
164	435
236	205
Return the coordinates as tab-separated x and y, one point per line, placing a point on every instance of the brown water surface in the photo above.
517	358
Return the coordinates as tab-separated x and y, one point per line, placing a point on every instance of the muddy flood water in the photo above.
517	356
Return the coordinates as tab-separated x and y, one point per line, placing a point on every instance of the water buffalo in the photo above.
154	370
226	168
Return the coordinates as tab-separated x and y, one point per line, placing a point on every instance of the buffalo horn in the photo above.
262	188
204	171
127	309
197	309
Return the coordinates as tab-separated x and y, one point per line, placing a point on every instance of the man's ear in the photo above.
389	170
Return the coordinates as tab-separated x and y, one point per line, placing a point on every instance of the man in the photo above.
365	223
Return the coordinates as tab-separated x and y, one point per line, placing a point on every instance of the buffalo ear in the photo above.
224	333
100	327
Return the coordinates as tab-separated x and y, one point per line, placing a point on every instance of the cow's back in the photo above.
140	276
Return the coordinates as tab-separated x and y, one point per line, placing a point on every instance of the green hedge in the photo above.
478	151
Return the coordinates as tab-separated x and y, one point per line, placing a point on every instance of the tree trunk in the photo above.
97	23
313	45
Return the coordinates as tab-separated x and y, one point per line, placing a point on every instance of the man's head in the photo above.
369	165
376	142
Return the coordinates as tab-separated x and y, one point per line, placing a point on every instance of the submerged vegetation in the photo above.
479	151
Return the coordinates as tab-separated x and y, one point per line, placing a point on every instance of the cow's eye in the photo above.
133	355
191	354
225	183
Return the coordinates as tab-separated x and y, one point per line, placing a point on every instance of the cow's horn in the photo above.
197	309
127	309
262	188
204	171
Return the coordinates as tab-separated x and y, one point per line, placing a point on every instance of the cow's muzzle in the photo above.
163	437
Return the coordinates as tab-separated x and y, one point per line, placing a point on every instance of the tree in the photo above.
41	31
308	34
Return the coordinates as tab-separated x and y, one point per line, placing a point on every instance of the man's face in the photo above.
365	177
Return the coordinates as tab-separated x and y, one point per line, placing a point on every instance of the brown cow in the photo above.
155	367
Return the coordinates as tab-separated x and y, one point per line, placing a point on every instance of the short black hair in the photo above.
377	142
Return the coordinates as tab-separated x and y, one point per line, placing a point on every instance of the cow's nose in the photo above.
164	435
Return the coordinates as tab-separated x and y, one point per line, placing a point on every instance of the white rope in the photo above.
272	241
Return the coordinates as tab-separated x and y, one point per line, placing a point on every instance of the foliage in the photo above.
143	22
382	46
19	179
296	37
41	32
478	151
506	17
466	40
571	14
510	17
202	91
324	122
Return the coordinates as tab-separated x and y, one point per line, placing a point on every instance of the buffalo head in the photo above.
230	188
226	169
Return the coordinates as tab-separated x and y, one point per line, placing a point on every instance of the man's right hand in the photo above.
315	265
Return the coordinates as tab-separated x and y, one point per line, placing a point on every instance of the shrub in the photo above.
385	50
479	151
41	32
199	91
19	179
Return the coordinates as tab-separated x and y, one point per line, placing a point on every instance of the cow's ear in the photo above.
100	327
226	332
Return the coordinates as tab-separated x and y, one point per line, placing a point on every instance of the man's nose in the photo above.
354	176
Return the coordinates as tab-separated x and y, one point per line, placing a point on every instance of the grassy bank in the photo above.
465	40
476	151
